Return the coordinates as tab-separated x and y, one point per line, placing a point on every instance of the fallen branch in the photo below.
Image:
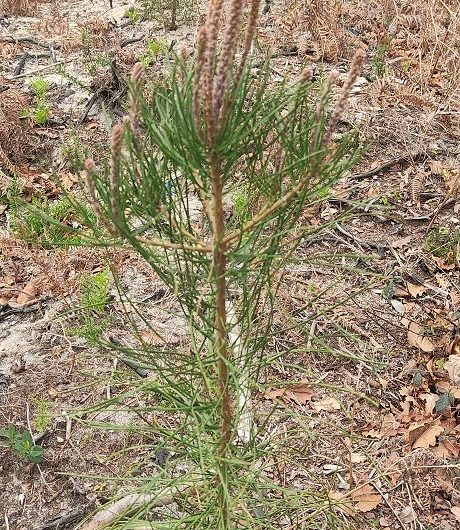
89	105
22	62
60	521
127	42
128	503
390	163
26	55
30	40
38	70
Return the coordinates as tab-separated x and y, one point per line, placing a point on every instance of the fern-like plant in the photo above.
207	132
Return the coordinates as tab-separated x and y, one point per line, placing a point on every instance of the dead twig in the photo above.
22	62
390	163
369	244
127	42
60	521
30	40
37	71
387	502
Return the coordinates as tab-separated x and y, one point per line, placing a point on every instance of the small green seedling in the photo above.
133	14
378	60
43	222
94	298
42	416
22	444
41	112
442	241
154	49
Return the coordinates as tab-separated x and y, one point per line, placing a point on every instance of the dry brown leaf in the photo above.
367	498
452	184
414	336
401	293
441	451
300	393
407	515
157	339
68	179
443	263
390	425
8	280
447	450
398	306
343	503
430	401
327	404
453	368
403	242
452	447
456	511
423	435
27	294
441	281
415	290
455	297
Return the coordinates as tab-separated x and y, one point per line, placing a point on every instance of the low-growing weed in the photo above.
153	50
133	14
169	13
22	444
41	112
94	298
92	58
39	223
75	151
42	416
442	241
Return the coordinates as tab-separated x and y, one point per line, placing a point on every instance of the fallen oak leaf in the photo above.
456	511
367	498
27	294
403	242
300	393
415	290
414	336
327	404
389	427
447	449
443	264
367	503
340	501
453	368
424	435
452	447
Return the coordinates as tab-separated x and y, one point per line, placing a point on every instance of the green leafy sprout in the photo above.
41	112
22	444
93	302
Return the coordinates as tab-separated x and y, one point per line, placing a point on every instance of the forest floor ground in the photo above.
380	351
